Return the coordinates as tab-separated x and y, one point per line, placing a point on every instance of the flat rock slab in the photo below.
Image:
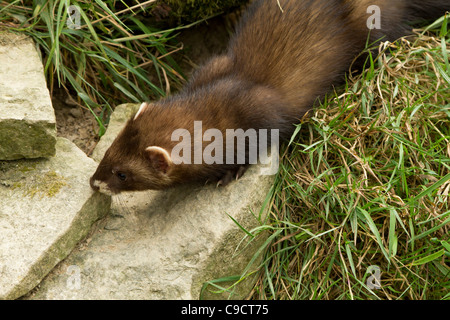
27	119
46	208
168	244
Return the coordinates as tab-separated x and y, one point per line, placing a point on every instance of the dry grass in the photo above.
365	182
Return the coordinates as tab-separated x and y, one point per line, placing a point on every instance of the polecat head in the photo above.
130	164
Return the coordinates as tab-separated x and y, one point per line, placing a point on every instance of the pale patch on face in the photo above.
103	187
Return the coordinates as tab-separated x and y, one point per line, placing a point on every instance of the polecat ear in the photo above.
160	158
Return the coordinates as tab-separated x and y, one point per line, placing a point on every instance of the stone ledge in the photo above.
46	208
27	118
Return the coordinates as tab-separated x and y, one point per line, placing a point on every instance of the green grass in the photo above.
114	57
365	182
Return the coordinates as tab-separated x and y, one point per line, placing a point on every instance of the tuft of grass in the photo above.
364	185
193	10
102	51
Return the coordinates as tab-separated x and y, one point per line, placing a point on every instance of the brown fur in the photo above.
284	55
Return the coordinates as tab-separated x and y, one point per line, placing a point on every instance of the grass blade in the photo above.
429	258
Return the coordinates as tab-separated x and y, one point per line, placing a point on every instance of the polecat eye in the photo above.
122	176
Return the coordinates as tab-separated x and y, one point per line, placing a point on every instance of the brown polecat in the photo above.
283	56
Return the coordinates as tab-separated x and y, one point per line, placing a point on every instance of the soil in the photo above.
78	124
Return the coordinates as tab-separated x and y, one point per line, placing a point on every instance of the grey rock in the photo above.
117	121
168	244
46	208
27	119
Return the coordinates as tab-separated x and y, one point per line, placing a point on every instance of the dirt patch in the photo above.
75	123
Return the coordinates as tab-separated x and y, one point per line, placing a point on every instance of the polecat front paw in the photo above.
231	175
